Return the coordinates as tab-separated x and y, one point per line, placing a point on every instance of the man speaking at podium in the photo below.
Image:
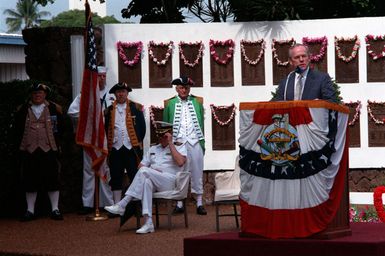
304	83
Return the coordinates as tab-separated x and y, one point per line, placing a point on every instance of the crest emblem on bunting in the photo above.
279	142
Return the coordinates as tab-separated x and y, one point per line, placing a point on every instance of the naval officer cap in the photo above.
119	86
39	87
102	70
183	80
162	128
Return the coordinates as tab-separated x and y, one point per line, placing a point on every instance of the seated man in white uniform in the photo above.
157	172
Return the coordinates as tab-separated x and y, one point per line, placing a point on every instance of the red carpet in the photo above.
368	239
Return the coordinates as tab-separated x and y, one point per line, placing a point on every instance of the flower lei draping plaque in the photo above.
281	65
223	127
156	114
318	52
347	59
375	47
129	63
190	63
376	127
160	64
221	63
354	123
253	63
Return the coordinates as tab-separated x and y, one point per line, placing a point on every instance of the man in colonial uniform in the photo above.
105	193
157	172
185	112
38	124
125	128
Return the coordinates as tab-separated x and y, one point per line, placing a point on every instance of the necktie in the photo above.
298	88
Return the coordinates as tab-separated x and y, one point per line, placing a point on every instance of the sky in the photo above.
113	8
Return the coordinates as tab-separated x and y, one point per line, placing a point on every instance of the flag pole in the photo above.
97	215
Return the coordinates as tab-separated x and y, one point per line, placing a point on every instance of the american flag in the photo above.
90	133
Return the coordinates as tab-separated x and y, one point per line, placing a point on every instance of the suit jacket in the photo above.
318	85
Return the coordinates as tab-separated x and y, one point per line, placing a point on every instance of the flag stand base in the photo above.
97	217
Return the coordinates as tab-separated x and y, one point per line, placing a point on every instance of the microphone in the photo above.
299	70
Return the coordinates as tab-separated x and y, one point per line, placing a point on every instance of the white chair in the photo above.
179	193
227	188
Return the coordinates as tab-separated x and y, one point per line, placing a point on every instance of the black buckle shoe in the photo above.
201	210
178	210
56	215
28	216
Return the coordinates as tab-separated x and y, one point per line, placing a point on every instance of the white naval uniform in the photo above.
105	193
188	135
158	174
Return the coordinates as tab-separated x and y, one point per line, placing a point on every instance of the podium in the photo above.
294	167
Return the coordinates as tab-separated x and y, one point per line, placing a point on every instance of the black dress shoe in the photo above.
178	210
56	215
201	210
28	216
86	210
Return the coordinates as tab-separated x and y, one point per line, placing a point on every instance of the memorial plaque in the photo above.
346	72
132	75
160	75
157	116
376	68
280	72
322	64
354	126
376	131
195	73
253	74
222	75
223	135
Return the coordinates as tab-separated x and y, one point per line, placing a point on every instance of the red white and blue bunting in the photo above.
293	160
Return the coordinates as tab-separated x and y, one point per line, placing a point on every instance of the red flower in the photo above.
377	198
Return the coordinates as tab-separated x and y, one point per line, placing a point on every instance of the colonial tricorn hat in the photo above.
119	86
102	70
183	80
162	128
39	87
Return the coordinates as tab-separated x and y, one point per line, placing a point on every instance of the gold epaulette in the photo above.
138	106
165	102
199	99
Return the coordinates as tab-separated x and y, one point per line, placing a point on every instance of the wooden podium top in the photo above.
291	104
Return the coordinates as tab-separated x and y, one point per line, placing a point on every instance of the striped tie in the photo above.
298	88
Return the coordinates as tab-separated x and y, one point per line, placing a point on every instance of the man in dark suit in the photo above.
304	83
125	128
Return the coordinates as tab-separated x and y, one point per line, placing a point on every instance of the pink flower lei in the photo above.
183	57
162	62
274	49
221	123
152	115
370	50
357	113
319	40
227	56
124	45
370	112
355	48
260	54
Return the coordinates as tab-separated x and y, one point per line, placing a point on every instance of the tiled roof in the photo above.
11	39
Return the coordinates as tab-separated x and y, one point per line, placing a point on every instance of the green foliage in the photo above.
26	13
363	214
76	18
338	92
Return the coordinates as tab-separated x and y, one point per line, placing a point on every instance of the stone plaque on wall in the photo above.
222	75
376	115
192	54
318	54
354	124
156	114
160	75
223	129
281	57
346	61
376	66
131	74
253	63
